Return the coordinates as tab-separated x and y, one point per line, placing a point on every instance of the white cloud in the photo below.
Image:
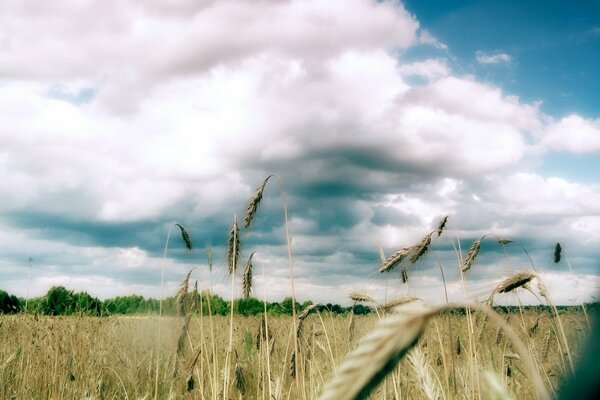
572	134
429	69
494	58
425	37
183	114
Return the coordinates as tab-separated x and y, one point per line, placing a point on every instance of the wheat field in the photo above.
115	357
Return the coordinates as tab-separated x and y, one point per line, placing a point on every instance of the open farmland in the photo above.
115	357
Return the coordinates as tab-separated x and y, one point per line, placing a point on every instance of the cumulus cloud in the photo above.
116	126
493	58
572	134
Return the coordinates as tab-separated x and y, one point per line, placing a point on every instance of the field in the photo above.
116	357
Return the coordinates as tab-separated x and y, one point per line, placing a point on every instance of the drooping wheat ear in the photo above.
398	302
473	251
305	313
186	238
364	297
557	253
247	279
513	282
233	247
516	280
442	225
376	355
182	292
183	334
254	203
416	357
421	248
395	259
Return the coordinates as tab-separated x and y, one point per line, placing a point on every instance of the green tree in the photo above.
9	304
249	306
59	301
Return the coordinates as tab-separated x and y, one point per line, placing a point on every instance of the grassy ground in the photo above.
116	357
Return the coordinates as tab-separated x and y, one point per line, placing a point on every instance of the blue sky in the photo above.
122	117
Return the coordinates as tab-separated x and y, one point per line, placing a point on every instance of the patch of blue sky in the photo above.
77	97
554	47
581	168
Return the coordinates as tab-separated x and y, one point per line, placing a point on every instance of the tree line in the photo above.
61	301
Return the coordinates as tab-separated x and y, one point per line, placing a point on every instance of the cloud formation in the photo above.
122	117
494	58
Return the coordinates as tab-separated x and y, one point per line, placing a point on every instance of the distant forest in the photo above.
61	301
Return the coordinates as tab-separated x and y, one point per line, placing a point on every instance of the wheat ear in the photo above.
182	293
377	355
233	247
254	202
247	278
473	251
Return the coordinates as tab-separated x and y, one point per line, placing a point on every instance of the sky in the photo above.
121	118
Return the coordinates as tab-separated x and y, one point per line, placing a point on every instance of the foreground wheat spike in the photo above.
233	247
376	355
247	278
395	259
380	351
254	203
473	251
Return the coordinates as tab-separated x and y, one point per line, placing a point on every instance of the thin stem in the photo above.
162	279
